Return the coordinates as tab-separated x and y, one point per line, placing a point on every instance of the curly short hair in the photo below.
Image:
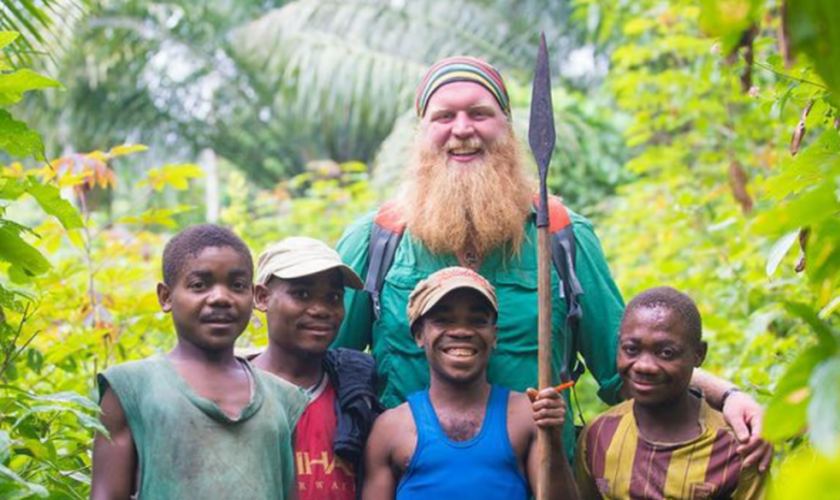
673	300
191	241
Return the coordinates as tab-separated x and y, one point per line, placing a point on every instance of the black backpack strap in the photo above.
385	237
563	258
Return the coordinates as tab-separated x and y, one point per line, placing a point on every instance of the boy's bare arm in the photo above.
380	483
548	410
114	459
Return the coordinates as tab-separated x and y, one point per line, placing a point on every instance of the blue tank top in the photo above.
483	468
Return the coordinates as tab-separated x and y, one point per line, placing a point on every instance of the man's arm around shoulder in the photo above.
114	459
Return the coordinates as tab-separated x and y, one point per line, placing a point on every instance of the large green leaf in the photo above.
826	336
807	475
814	29
21	255
14	85
67	397
49	197
813	206
824	408
817	162
787	413
778	252
86	420
728	19
11	188
823	259
17	139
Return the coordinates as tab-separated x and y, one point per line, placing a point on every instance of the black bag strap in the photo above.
388	227
563	258
383	246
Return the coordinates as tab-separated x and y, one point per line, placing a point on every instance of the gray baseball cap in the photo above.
300	256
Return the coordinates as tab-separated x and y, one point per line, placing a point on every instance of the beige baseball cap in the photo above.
430	291
299	256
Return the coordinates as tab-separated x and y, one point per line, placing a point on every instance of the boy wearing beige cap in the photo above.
300	287
463	437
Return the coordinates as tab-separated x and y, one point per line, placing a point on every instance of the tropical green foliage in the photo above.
44	438
715	129
273	86
737	154
33	22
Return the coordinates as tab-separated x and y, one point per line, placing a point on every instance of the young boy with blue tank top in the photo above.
463	438
198	422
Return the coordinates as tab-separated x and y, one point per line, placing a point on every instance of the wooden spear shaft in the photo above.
541	137
544	356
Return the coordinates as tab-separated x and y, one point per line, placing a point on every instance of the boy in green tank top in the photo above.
198	422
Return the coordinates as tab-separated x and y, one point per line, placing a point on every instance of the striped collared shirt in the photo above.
615	462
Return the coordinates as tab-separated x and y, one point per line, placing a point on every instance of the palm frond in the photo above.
44	26
348	69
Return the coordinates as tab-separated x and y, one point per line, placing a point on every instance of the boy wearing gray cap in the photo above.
300	286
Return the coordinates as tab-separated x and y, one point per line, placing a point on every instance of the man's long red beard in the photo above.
477	207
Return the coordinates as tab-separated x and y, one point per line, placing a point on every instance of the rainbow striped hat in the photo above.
461	69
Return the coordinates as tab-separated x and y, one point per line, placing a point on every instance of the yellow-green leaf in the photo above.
14	85
175	176
17	139
127	149
7	37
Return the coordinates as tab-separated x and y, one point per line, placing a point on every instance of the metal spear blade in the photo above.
541	134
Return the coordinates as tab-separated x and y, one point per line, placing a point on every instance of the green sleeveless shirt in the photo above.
187	447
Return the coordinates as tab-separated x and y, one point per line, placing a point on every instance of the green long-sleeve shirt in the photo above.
402	366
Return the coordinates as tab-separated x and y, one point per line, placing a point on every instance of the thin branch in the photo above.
9	353
769	68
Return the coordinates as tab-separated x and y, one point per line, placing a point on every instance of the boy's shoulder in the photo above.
131	370
130	380
623	409
609	421
137	366
713	420
273	382
282	395
279	387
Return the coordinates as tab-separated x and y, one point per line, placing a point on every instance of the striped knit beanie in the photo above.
461	69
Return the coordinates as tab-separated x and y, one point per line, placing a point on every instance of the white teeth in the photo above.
460	352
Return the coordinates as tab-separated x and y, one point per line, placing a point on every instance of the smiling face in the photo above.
462	121
211	298
458	336
303	314
657	355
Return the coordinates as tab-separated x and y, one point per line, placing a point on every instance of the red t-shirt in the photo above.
321	475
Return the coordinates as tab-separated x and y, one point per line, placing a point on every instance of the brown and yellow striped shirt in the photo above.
615	462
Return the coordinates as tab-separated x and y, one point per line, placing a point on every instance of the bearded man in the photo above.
467	200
